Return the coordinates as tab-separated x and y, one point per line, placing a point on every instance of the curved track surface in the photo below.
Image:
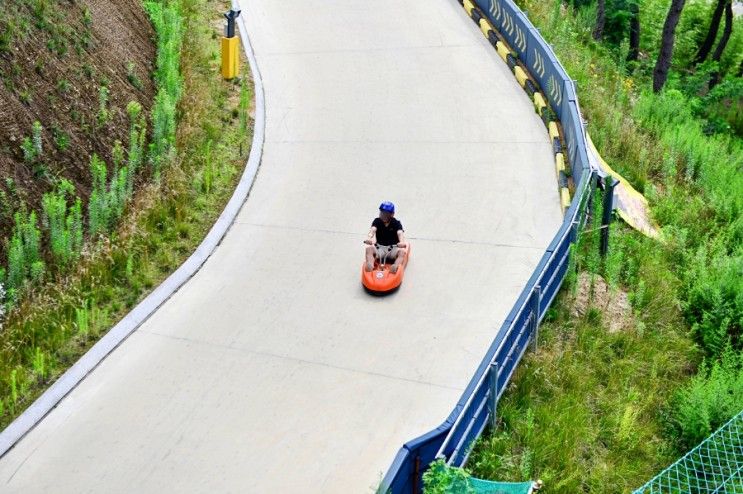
271	370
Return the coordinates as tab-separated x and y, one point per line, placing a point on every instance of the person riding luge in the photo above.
386	239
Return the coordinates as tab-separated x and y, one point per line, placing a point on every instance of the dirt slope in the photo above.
55	55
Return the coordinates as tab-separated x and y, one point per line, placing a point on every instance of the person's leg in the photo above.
370	258
399	258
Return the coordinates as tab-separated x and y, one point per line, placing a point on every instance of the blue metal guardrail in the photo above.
452	439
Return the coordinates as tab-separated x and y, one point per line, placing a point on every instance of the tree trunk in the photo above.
634	31
714	26
726	32
598	31
660	73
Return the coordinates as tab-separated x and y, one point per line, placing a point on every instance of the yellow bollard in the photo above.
520	75
559	165
564	198
230	45
230	61
484	27
553	130
502	50
539	103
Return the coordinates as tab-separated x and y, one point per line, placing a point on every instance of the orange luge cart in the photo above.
381	280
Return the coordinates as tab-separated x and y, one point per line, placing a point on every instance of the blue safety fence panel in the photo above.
547	71
510	22
530	48
573	132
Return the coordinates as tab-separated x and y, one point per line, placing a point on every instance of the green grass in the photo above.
586	412
55	323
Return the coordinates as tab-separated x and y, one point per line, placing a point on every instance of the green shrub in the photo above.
87	18
82	319
36	133
163	128
61	139
117	155
24	253
441	479
714	299
29	153
64	224
713	163
16	263
26	97
107	199
725	102
38	363
33	147
97	205
103	114
167	20
709	400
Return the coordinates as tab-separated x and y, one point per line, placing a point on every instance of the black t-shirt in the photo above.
387	234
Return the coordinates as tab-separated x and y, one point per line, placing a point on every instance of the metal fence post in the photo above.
493	401
608	209
536	300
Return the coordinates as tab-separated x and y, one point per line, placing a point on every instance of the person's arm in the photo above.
371	238
401	239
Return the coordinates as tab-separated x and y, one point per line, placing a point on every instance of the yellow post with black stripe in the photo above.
230	47
539	103
520	75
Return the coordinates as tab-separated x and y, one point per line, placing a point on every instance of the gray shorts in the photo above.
389	253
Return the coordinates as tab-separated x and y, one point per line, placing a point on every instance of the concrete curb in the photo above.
75	374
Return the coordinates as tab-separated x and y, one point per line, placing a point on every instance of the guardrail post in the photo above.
536	299
416	474
230	60
493	401
607	216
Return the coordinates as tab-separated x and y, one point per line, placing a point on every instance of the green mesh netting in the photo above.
488	487
715	466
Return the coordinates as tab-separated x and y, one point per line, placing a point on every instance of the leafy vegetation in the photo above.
24	254
168	23
712	397
137	232
64	222
600	410
440	479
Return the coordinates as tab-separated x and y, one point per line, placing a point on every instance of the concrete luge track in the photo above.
271	370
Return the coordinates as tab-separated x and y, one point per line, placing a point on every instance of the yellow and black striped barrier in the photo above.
528	83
